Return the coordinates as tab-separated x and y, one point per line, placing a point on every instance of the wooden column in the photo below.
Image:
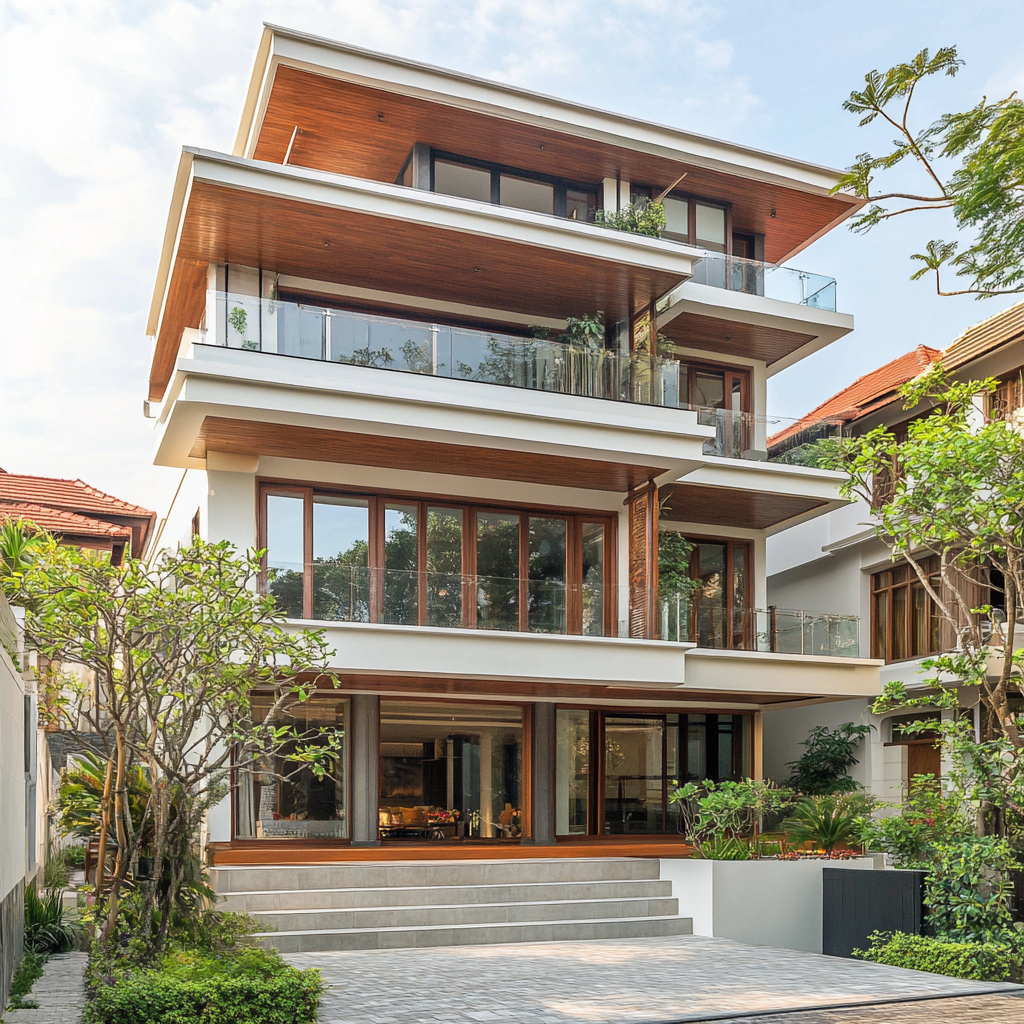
643	562
365	737
542	776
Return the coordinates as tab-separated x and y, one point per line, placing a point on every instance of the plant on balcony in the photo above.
973	165
823	767
238	318
169	654
641	217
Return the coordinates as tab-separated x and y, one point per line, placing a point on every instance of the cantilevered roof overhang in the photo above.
357	112
368	234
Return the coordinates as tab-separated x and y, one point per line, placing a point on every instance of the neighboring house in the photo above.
18	852
838	563
360	366
77	514
85	517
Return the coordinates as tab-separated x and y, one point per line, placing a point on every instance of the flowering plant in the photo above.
449	817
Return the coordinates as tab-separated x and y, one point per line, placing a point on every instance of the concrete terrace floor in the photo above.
635	981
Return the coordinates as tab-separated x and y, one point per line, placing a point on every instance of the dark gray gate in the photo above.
855	903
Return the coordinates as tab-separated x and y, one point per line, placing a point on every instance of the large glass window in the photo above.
450	770
341	558
280	798
524	194
410	562
452	179
614	770
905	621
710	225
285	558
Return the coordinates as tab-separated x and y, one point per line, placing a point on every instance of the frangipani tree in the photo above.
172	653
954	490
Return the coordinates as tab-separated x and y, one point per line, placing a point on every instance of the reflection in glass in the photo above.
572	771
437	758
285	552
547	575
453	179
633	777
282	798
497	567
711	597
593	579
677	219
341	549
710	224
579	205
444	567
401	562
739	597
524	194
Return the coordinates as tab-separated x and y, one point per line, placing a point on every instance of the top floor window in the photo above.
504	186
905	622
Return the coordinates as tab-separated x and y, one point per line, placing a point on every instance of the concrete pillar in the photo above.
365	738
542	776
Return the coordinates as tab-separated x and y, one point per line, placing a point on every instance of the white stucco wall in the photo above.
14	853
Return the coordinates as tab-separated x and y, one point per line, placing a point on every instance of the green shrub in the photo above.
74	856
29	971
825	821
46	931
978	961
245	986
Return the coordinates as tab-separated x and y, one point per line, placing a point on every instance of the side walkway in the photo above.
60	993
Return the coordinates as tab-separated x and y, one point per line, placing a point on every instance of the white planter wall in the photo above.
766	903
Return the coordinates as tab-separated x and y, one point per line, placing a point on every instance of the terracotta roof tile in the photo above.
61	521
867	393
70	494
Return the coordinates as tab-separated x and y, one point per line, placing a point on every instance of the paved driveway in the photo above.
612	981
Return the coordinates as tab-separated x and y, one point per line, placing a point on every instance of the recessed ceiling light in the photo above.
380	116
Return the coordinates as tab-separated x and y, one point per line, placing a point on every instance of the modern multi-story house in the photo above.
839	564
472	427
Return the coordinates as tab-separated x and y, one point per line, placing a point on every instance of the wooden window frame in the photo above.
880	585
692	200
743	373
377	500
731	543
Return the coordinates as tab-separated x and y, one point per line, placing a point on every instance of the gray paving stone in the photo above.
60	993
607	981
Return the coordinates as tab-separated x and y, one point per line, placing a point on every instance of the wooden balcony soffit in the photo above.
724	506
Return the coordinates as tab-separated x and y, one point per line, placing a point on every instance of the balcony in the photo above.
395	597
320	332
784	284
768	630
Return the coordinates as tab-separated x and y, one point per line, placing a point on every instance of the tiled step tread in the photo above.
477	934
430	888
460	906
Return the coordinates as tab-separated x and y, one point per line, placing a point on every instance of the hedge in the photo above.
251	986
978	961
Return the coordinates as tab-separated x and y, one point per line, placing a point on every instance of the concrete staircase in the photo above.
378	905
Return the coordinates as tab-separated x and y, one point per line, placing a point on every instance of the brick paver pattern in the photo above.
60	993
608	981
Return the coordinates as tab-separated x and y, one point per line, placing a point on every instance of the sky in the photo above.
97	98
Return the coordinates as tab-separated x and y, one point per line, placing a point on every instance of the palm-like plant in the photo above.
825	821
20	544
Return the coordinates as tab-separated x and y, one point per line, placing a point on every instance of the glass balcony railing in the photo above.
774	630
736	274
352	593
309	331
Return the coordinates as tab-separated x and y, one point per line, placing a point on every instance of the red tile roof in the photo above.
73	508
866	394
60	521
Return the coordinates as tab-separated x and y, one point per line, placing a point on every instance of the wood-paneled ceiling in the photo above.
725	506
285	236
246	437
733	338
341	130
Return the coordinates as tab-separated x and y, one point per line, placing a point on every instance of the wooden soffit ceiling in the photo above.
246	437
725	506
733	338
340	130
287	236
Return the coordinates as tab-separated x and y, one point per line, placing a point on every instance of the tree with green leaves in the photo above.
165	659
954	491
983	190
823	768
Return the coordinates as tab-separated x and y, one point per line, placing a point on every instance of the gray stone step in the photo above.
394	896
464	914
476	934
404	874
